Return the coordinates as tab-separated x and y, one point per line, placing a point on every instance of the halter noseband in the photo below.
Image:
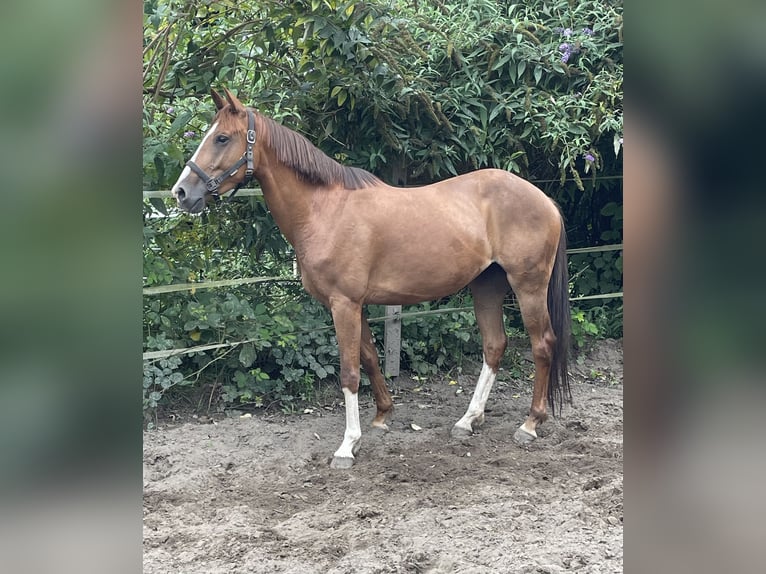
213	184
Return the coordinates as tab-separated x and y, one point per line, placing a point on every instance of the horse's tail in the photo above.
558	309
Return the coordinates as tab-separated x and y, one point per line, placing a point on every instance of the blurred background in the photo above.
70	298
694	204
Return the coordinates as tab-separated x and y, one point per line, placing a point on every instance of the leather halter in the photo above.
213	184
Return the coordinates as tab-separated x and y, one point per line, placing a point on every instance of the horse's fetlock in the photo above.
539	415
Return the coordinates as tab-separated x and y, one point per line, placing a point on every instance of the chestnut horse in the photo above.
360	241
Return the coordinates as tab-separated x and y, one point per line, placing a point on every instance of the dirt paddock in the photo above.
256	494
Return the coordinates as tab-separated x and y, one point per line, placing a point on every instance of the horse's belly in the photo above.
404	286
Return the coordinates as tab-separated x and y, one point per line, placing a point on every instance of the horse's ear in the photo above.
236	105
219	103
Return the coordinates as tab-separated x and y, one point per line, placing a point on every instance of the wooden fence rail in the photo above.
393	317
196	286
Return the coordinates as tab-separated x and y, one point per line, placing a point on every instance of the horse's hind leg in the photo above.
489	290
371	366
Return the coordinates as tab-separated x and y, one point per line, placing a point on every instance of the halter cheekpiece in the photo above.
213	184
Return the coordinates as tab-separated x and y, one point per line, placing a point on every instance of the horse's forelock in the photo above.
230	120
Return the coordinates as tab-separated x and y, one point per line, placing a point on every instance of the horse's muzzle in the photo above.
190	203
198	206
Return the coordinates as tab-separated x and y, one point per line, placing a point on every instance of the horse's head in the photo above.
224	159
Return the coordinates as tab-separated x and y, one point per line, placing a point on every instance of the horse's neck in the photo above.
292	202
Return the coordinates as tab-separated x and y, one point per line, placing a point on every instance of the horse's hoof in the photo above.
341	462
522	437
383	427
460	433
382	419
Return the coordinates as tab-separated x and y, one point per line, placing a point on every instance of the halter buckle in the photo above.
251	136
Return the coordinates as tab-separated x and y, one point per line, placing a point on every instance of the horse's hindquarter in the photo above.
404	245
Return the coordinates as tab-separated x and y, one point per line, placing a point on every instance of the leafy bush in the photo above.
431	89
433	343
160	375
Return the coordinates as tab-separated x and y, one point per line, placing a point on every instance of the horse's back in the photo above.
403	245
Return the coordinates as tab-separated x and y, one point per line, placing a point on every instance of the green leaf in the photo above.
180	121
500	62
599	262
247	354
159	205
538	73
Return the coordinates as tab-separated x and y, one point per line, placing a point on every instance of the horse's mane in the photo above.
310	163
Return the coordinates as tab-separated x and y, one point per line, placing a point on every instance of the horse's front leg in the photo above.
347	317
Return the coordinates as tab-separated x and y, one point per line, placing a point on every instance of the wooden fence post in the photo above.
392	340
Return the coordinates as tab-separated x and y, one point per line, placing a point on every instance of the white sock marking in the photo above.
479	400
353	427
186	171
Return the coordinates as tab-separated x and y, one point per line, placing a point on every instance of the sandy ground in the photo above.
256	494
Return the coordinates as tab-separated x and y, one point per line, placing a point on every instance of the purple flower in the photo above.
587	31
189	134
171	110
567	32
566	51
589	157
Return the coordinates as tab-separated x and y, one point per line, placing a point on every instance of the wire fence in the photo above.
156	355
193	287
155	290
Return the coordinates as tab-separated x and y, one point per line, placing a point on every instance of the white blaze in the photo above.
187	170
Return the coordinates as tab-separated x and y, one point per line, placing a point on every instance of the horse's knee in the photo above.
493	352
349	380
369	359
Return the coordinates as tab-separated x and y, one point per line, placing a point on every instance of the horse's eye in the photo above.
222	139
